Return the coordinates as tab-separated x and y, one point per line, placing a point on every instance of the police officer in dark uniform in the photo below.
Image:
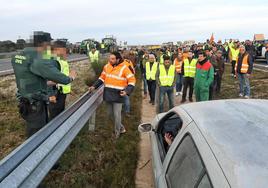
59	91
32	72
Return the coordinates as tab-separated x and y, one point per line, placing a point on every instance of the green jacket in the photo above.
32	72
204	75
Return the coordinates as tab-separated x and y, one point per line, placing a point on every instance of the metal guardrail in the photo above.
10	53
11	71
28	164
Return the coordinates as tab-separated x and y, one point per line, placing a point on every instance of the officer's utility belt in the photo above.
27	107
39	97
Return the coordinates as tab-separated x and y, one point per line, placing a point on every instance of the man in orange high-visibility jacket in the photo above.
118	81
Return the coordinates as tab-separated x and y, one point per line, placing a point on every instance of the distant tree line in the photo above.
10	46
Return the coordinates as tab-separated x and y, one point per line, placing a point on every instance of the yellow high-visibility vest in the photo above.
189	67
94	57
166	79
234	53
150	73
64	68
47	54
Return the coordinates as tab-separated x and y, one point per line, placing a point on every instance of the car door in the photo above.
159	148
190	163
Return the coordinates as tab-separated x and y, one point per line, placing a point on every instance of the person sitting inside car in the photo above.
169	138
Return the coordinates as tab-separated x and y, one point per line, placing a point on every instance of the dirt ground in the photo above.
144	175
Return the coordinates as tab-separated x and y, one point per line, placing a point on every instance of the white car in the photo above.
218	144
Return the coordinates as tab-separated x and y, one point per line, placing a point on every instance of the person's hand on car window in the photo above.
168	138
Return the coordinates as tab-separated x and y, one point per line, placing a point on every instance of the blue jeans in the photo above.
179	82
126	104
244	87
163	90
145	85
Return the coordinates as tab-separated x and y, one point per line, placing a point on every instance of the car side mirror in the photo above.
145	127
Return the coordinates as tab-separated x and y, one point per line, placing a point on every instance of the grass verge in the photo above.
96	159
230	86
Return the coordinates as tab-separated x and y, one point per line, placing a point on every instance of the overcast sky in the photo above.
135	21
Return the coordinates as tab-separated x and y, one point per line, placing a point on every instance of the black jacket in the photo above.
239	63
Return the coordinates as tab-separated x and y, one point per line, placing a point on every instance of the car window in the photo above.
204	183
170	124
186	169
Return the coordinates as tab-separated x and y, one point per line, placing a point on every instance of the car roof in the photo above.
237	133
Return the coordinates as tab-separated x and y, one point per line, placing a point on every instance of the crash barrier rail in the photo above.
10	53
28	164
71	60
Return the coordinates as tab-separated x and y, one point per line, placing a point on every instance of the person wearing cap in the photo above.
243	70
60	91
32	72
150	74
94	55
218	71
166	79
118	82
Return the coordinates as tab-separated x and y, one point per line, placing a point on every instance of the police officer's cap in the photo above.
41	37
59	44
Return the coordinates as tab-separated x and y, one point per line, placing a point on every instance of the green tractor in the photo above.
87	45
109	44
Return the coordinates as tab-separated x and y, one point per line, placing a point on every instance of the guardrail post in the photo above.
91	122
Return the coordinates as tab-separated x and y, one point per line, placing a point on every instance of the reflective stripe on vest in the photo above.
150	73
190	68
64	68
94	57
244	66
177	65
166	79
117	77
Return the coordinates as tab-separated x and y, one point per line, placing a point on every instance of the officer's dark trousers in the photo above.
35	116
188	82
56	108
151	89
